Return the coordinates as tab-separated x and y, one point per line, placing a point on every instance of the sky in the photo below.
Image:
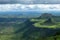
36	7
30	1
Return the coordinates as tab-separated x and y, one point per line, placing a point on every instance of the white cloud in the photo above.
19	7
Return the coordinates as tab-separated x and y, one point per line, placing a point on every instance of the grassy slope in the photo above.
38	24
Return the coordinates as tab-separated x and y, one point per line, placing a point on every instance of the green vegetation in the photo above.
41	28
45	24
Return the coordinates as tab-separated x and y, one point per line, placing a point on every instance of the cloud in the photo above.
36	7
30	1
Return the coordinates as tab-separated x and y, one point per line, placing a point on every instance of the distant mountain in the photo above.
28	14
46	15
21	14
